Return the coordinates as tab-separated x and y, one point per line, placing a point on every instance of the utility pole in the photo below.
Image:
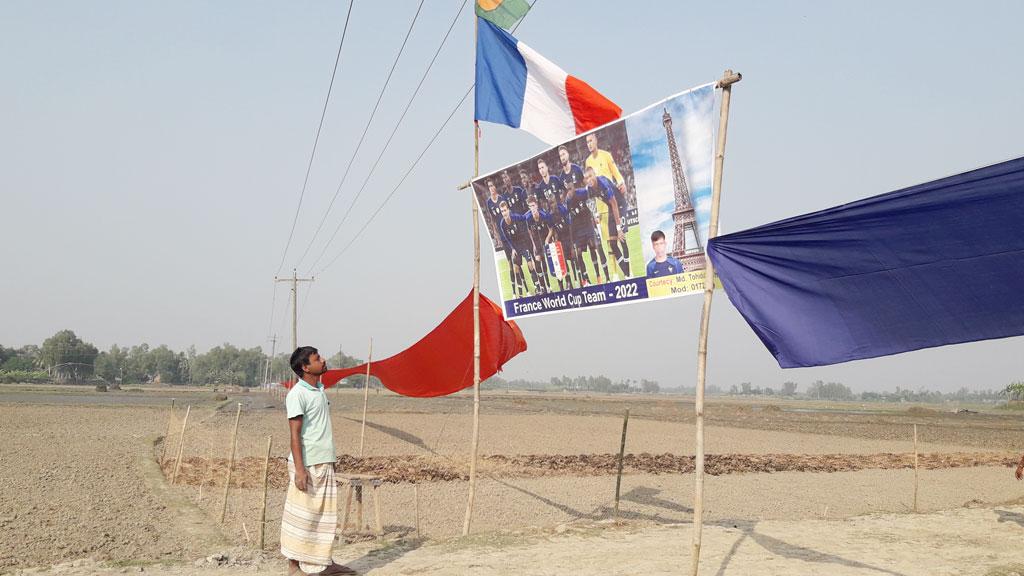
295	303
273	349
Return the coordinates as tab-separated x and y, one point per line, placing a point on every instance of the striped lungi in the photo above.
310	518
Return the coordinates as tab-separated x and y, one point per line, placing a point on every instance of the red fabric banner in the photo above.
441	363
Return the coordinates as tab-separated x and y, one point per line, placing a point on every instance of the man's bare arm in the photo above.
295	429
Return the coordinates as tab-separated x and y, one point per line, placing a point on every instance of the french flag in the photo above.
518	87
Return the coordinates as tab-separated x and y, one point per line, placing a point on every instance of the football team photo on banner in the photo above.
618	214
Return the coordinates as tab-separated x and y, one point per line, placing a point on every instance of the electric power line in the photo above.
273	301
392	135
362	137
404	176
415	162
316	140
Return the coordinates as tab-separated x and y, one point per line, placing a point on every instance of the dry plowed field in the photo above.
80	476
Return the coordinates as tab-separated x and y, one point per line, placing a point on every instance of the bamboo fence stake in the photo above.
360	526
167	435
476	329
915	468
416	496
378	527
263	501
622	452
231	464
366	397
725	83
181	444
206	472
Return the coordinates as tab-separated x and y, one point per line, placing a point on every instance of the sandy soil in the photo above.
957	542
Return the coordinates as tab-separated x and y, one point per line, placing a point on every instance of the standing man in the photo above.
603	164
310	515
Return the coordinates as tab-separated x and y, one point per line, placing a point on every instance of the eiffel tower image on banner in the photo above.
692	257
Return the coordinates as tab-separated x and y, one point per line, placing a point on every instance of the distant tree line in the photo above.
64	357
819	390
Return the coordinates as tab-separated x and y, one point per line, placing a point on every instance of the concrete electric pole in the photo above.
295	303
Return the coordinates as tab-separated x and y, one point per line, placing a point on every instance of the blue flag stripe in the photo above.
500	76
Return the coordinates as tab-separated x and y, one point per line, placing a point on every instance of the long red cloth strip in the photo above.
441	362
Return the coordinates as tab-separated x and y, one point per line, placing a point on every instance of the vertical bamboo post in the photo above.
181	445
167	435
476	330
359	507
206	471
263	501
915	468
725	83
378	528
366	397
231	464
416	497
622	453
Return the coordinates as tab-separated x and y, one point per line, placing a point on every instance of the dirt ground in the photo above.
982	542
80	482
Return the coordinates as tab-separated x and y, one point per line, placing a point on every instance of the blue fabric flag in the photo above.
934	264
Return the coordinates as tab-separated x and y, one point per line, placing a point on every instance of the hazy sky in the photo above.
152	154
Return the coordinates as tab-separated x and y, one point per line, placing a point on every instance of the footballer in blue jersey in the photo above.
515	195
662	264
494	217
537	224
582	218
515	234
602	188
549	189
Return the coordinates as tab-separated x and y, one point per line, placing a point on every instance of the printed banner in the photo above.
619	214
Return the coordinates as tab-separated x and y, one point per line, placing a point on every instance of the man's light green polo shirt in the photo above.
311	403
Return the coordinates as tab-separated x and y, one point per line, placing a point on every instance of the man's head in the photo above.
307	361
563	155
531	202
542	168
503	206
492	188
659	245
506	179
524	178
592	142
590	177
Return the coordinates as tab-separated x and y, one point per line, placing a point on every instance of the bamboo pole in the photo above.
181	445
622	453
476	332
231	464
167	435
725	83
915	468
416	497
263	501
366	397
206	472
